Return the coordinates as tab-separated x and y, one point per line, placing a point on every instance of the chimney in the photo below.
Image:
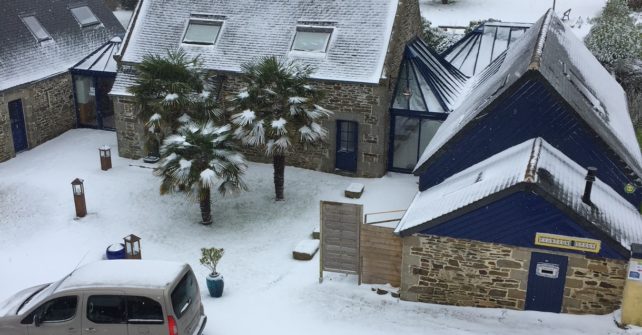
590	178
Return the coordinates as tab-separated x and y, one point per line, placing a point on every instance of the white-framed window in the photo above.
38	31
84	16
202	31
312	39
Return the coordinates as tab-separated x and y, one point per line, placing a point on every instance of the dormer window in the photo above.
202	31
84	16
312	39
36	28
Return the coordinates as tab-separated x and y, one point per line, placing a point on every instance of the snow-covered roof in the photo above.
473	52
24	59
550	48
101	60
427	82
123	273
361	32
536	163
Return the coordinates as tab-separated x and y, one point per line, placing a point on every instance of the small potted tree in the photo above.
210	259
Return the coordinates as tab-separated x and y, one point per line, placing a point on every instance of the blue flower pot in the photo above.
215	285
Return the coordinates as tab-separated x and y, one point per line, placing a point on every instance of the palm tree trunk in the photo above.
206	207
279	175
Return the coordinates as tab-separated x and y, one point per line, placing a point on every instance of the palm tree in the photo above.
170	89
277	108
197	158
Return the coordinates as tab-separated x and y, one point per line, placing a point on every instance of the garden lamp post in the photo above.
105	157
132	246
79	197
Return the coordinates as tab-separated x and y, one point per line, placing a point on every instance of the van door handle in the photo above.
91	330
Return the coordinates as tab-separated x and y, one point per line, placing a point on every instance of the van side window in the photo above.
106	309
56	310
142	310
184	294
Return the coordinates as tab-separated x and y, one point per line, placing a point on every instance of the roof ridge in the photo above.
531	168
536	58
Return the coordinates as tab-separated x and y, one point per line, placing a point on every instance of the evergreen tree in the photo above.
196	159
615	35
277	108
437	38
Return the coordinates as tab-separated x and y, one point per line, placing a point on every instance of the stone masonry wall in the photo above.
451	271
129	129
48	109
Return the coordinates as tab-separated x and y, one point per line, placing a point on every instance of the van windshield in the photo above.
184	294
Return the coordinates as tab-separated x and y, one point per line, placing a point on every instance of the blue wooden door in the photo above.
546	279
18	128
347	138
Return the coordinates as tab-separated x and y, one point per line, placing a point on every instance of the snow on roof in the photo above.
361	32
533	162
123	273
125	78
551	49
23	59
475	51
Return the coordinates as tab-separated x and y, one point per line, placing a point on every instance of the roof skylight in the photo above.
312	39
84	16
202	31
36	28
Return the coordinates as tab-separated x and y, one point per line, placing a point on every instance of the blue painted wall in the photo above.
530	111
514	220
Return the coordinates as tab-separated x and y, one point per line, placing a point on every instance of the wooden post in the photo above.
79	197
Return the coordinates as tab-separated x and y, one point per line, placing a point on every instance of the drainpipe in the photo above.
590	178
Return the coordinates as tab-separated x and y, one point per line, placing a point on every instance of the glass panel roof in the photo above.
36	28
202	32
84	16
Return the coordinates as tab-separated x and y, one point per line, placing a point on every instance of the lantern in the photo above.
78	189
132	246
105	157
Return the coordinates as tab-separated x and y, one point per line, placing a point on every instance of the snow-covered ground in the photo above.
266	291
461	12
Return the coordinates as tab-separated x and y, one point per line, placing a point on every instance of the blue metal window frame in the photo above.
94	76
391	141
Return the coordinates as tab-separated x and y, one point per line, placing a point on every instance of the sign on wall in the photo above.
568	242
635	270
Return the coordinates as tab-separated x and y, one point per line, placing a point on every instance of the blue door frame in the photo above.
546	280
18	128
347	144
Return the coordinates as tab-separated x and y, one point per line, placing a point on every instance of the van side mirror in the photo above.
37	320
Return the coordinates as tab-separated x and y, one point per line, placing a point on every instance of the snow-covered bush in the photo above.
436	38
614	35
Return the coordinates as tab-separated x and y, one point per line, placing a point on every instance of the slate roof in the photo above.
475	51
255	28
434	85
552	50
535	163
23	59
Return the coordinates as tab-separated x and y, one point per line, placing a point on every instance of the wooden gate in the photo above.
340	226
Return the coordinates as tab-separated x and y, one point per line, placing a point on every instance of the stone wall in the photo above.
451	271
48	109
129	129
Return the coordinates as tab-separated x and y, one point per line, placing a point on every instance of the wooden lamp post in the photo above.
79	197
105	157
132	246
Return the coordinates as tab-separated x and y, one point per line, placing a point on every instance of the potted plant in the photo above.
210	259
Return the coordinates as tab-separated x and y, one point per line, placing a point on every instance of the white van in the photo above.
114	297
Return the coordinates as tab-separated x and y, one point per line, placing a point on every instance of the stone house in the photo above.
41	40
355	46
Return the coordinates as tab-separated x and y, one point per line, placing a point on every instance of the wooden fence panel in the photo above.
380	255
340	224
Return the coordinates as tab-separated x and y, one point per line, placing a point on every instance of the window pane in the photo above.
428	130
36	28
106	309
201	33
311	41
184	294
141	309
84	16
60	309
406	140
